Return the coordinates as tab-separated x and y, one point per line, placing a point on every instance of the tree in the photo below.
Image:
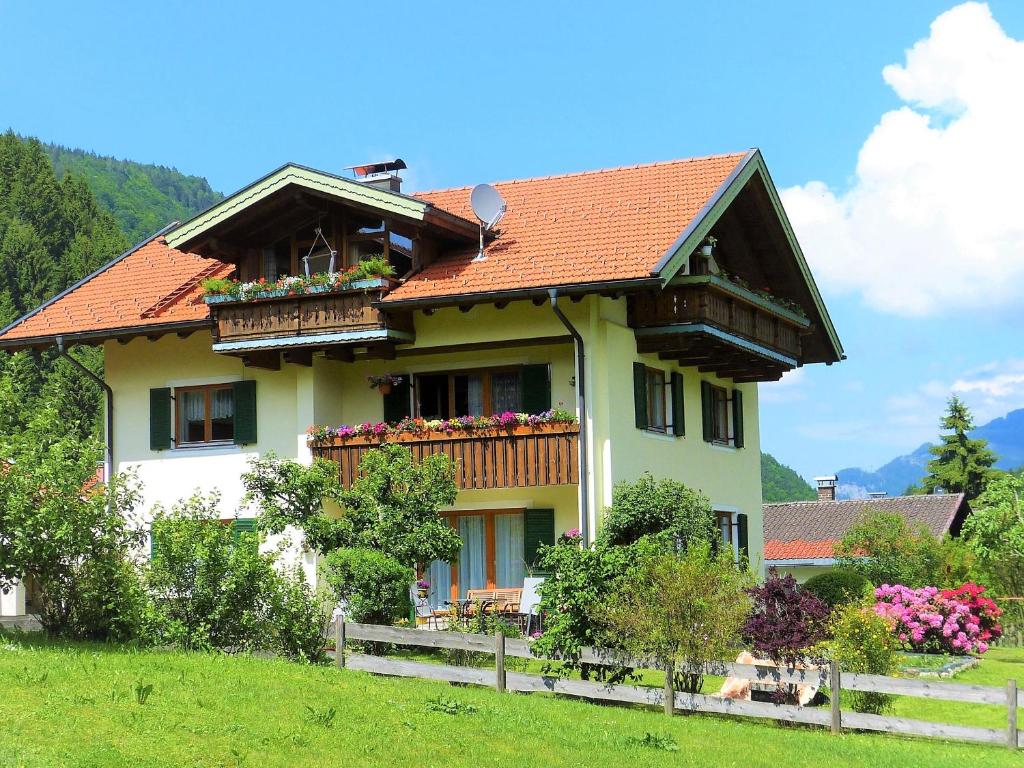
961	464
685	610
647	507
885	549
74	543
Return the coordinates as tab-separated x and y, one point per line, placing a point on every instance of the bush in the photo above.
373	586
839	587
862	641
211	589
786	622
957	621
650	507
884	549
684	610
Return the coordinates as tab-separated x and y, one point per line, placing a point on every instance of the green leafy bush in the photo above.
373	585
838	587
862	641
885	549
648	507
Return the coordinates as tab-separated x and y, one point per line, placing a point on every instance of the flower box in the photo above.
434	435
218	298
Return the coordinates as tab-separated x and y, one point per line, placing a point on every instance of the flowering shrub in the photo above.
957	621
419	426
298	284
786	621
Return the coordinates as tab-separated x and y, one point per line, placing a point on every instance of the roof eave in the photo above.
99	336
482	297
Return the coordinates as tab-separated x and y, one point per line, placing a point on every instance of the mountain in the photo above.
1005	436
143	198
780	483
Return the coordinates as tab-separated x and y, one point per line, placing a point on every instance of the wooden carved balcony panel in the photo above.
521	457
304	316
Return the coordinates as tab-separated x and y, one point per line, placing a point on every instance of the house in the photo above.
647	301
799	535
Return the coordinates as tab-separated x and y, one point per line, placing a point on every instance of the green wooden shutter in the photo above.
396	402
737	418
538	528
742	535
160	419
536	389
707	409
640	394
245	412
242	525
678	414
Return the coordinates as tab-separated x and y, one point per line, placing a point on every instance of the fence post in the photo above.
499	660
670	694
835	685
1011	714
339	642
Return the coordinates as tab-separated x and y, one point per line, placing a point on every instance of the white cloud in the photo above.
933	221
790	388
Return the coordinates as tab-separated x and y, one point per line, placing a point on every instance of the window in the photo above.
469	393
656	420
277	260
723	521
492	556
720	414
205	414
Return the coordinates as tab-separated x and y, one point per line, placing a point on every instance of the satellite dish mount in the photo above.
489	207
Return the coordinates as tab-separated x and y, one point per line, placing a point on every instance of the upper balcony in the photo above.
721	327
324	317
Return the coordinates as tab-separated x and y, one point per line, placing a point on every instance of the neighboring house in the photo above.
800	535
648	301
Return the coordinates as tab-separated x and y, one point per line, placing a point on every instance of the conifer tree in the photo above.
961	464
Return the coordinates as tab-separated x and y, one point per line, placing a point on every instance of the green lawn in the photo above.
64	705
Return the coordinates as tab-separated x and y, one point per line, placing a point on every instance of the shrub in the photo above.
862	641
785	624
684	610
839	587
300	619
959	621
373	586
649	507
884	549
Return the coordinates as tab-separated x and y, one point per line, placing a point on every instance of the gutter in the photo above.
108	464
581	404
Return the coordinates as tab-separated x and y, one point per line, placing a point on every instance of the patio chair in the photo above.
424	611
529	603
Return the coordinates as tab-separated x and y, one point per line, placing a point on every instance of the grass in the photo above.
81	705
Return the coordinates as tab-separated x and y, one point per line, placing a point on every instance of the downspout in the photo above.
581	405
108	464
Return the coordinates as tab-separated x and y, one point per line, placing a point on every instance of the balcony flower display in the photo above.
957	621
384	382
421	427
228	289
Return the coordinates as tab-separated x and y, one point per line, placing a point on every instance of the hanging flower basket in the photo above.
385	382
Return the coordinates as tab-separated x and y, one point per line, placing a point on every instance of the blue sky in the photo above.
468	93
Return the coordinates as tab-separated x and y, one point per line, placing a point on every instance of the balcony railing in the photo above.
729	308
337	317
519	457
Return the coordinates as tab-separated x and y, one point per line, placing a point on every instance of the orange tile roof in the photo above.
797	550
152	285
589	227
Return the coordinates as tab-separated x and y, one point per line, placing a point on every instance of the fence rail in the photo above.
671	701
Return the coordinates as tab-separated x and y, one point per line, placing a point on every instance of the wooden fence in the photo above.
672	701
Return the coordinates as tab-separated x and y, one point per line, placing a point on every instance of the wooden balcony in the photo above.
719	327
520	457
308	321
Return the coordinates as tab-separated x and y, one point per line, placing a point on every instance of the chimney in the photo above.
827	487
380	175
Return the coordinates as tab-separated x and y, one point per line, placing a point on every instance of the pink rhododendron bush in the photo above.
929	620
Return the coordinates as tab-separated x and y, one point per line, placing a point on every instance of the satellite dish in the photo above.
488	205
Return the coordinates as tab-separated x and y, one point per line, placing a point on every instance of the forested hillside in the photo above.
780	483
143	198
53	231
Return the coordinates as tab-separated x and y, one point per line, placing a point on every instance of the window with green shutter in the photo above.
640	395
396	402
678	414
160	419
536	388
245	412
737	418
707	410
242	525
742	535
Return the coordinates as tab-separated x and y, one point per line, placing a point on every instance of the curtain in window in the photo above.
193	406
506	394
475	396
472	559
440	577
222	404
509	568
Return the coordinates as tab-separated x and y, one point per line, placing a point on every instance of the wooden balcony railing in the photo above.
520	457
305	319
729	308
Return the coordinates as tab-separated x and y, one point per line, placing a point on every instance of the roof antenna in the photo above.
489	207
